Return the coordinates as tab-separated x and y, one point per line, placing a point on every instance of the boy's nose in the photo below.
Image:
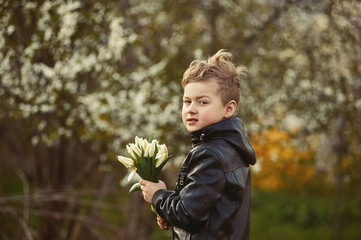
191	108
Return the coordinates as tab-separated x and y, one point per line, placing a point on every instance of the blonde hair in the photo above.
220	68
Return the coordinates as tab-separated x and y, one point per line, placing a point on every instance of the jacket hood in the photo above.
230	130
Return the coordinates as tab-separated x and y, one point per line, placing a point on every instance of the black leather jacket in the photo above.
213	191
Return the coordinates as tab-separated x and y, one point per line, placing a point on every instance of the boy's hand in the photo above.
163	224
149	188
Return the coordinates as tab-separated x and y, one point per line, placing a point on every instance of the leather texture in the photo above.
213	192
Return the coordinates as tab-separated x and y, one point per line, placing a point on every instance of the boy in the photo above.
213	191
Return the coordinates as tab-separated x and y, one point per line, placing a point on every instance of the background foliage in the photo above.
79	79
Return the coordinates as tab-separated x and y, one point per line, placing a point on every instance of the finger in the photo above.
142	182
159	220
163	227
145	198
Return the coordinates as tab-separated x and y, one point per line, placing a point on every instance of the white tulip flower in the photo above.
162	155
149	151
139	141
127	162
133	148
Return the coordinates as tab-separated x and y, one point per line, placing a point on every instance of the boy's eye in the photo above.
203	102
187	102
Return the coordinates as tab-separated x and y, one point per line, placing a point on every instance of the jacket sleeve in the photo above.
204	184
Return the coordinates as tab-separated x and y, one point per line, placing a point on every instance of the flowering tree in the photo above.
78	80
310	72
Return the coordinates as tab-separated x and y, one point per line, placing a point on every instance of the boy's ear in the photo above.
230	109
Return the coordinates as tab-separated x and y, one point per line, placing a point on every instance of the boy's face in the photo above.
202	105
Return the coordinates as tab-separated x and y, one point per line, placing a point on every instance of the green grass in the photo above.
263	227
280	215
159	234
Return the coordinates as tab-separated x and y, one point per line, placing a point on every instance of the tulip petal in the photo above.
138	141
160	159
127	162
131	175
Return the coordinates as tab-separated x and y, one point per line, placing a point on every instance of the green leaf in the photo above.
138	166
143	168
159	169
135	187
140	171
151	137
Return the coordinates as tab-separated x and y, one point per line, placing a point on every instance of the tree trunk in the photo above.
337	202
340	151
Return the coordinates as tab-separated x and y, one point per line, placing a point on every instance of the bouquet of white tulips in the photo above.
147	158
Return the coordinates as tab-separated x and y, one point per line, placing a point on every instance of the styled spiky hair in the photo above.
219	68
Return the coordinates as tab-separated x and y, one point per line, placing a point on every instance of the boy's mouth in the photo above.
192	120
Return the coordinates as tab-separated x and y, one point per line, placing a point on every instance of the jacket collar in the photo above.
230	130
212	130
